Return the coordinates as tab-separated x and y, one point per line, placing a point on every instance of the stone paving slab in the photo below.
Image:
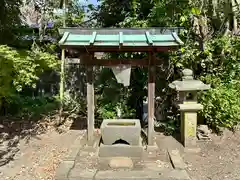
129	175
63	170
87	165
176	159
68	162
142	175
138	164
120	162
75	148
82	174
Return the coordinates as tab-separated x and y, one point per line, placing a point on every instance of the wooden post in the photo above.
151	97
61	86
62	80
90	101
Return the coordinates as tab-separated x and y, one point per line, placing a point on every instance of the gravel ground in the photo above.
38	159
218	159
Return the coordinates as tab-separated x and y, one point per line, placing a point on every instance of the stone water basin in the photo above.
121	130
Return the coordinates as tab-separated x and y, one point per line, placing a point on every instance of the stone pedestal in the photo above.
189	123
187	102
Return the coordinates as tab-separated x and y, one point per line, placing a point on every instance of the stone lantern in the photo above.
187	90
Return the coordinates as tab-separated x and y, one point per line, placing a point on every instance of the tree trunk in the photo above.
235	8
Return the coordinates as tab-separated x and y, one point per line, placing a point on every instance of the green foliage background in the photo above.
21	69
211	50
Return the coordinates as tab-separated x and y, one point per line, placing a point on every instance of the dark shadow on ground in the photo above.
13	129
79	123
177	136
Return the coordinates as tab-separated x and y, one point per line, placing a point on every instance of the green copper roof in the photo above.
119	38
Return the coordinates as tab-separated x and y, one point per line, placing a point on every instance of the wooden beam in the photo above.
151	97
90	100
122	49
116	62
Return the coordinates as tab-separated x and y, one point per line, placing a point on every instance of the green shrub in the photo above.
218	64
221	106
19	69
74	104
109	111
30	107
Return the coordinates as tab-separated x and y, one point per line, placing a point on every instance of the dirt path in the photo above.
38	159
218	160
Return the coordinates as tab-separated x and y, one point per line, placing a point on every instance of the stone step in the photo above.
130	175
138	164
176	159
120	150
123	162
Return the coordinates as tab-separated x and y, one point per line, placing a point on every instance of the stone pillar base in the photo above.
152	148
189	124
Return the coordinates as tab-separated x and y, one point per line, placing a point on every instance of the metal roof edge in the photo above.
159	30
64	38
177	39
